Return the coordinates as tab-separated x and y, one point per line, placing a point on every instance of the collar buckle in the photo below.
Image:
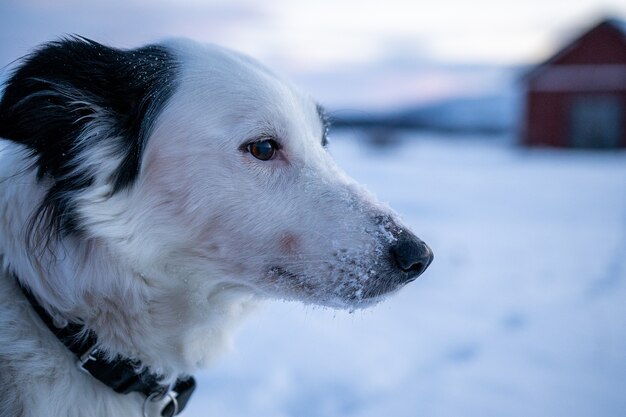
171	406
177	395
89	355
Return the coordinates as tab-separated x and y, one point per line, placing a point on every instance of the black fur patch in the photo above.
321	112
50	99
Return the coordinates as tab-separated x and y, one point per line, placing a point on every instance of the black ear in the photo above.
75	94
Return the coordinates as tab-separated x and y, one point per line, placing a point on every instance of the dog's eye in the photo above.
263	150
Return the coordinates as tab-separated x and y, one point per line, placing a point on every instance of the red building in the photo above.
577	98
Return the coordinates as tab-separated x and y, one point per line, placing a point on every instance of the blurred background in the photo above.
497	130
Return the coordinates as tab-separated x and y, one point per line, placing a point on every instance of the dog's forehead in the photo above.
236	91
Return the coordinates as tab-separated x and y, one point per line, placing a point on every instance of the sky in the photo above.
362	53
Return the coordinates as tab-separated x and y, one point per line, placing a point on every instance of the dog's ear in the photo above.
79	106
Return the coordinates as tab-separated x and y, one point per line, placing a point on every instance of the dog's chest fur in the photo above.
39	375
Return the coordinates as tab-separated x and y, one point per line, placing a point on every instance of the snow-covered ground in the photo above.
522	313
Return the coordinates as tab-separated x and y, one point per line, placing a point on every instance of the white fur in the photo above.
165	268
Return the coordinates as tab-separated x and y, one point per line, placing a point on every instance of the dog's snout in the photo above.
411	255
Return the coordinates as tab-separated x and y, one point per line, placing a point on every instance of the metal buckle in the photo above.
159	396
86	357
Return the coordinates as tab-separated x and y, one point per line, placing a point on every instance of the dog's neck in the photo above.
143	315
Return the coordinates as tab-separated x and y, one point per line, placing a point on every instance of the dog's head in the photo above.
195	164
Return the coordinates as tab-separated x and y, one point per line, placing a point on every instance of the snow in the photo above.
522	313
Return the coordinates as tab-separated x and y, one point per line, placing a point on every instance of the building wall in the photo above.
583	87
548	116
546	119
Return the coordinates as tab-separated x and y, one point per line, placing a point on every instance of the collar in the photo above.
123	375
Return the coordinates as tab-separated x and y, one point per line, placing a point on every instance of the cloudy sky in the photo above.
344	51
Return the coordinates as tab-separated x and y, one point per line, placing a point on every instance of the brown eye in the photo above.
263	150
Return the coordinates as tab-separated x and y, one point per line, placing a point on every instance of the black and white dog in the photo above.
148	197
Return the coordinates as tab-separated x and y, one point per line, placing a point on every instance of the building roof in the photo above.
615	23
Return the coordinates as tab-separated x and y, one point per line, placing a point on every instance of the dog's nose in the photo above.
411	255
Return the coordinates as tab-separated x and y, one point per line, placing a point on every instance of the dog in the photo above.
149	198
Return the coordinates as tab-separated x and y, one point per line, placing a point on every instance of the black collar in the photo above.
122	375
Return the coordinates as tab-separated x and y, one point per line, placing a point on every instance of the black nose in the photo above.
411	255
